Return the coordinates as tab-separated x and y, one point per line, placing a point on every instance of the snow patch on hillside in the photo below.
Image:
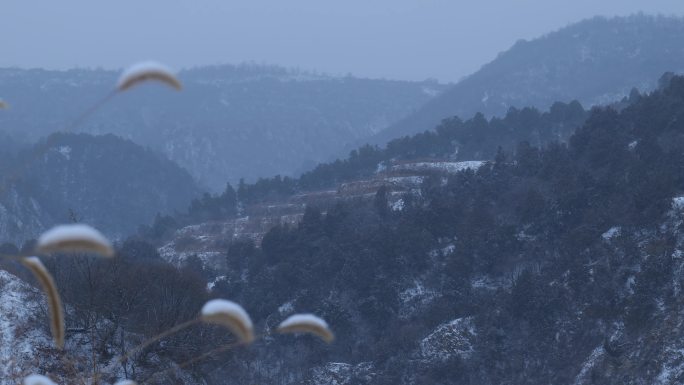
339	373
611	233
398	205
448	167
589	363
678	203
286	308
178	258
413	180
489	283
65	151
444	251
430	91
672	369
416	297
449	339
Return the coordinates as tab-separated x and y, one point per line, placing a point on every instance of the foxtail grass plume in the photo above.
147	71
37	379
54	301
74	238
307	323
230	315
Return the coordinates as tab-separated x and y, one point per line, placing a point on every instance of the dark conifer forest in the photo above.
547	252
513	273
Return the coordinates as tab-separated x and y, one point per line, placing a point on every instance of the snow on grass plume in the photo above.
307	323
54	301
74	238
147	71
126	382
231	315
37	379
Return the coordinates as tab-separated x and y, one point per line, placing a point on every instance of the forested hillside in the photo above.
553	265
109	182
558	264
596	61
478	138
453	141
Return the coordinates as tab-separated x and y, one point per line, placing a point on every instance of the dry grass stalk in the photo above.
74	238
54	301
157	338
230	315
194	360
3	105
307	323
147	71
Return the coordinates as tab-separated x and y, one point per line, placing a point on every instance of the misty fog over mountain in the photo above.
230	122
348	194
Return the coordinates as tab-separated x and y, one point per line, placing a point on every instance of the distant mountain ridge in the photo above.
596	61
108	182
229	121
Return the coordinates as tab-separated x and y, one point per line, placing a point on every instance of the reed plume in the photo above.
54	301
146	71
307	323
230	315
37	379
74	238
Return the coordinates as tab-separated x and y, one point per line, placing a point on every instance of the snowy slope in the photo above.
24	342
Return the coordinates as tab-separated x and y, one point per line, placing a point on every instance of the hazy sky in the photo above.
402	39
